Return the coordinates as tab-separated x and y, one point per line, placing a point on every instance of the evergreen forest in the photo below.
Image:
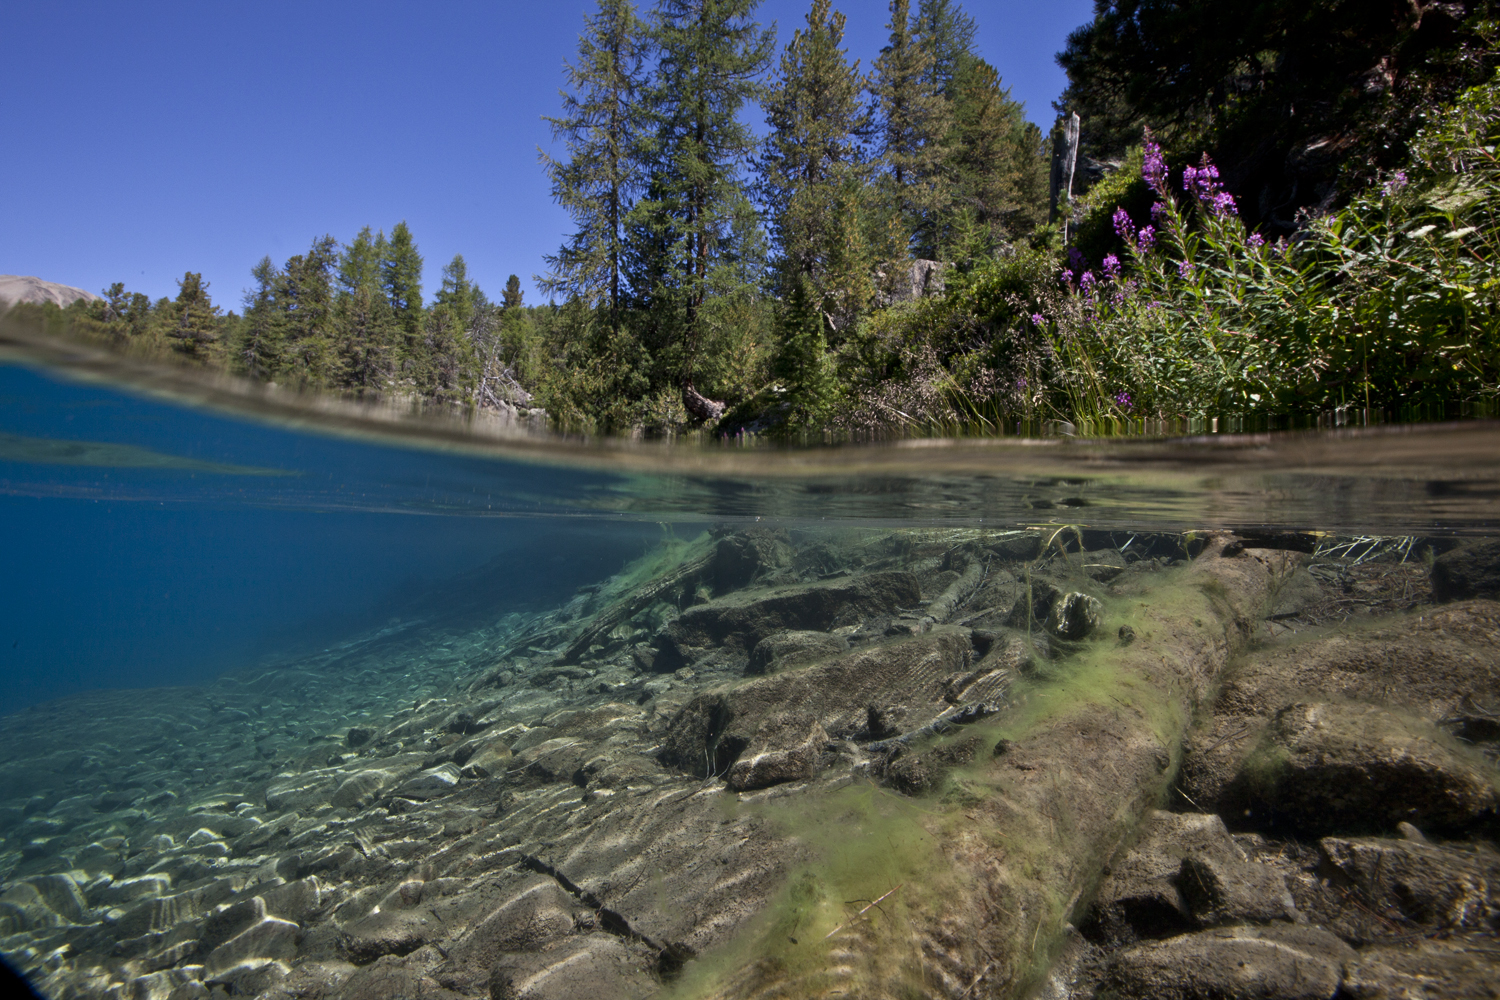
1248	214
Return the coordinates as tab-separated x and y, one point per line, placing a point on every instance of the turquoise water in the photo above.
215	614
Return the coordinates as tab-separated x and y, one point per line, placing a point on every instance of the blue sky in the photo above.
145	140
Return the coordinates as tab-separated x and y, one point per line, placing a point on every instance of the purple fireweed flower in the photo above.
1123	225
1122	400
1256	240
1202	182
1037	319
1067	276
1154	168
1111	266
1398	181
1087	280
1146	238
1076	260
1222	204
1021	382
1184	269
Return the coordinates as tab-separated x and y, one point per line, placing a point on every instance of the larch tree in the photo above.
999	164
603	127
367	325
914	120
401	279
813	169
710	54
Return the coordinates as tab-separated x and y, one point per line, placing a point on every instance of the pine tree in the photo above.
604	126
511	297
914	120
194	318
710	53
814	168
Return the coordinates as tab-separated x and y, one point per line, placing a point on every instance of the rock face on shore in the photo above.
679	778
20	288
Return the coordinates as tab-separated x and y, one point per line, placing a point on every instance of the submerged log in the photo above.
991	876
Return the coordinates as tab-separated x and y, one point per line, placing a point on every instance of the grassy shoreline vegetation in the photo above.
1297	224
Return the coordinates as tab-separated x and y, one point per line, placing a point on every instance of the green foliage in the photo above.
802	365
1391	304
1294	100
193	319
1094	235
605	127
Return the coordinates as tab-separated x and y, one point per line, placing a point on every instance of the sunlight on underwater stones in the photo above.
803	763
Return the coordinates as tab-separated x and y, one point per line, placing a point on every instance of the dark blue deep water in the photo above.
202	542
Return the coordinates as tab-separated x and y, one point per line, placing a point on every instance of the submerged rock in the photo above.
1264	963
1471	570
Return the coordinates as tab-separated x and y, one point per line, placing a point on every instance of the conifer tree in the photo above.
946	32
604	126
366	323
304	298
914	120
457	292
999	165
710	53
194	318
401	278
259	351
511	297
802	364
814	167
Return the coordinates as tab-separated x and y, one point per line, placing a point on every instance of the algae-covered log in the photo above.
975	888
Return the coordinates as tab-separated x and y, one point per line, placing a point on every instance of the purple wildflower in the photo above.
1122	400
1222	204
1146	238
1111	266
1067	276
1154	168
1202	182
1086	282
1021	382
1398	181
1037	319
1184	269
1123	225
1256	240
1076	260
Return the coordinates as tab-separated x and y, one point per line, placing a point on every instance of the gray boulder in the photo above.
1234	963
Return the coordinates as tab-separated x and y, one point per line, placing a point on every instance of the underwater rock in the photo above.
431	783
1439	888
916	774
361	788
1264	963
1429	662
1139	897
745	618
1471	570
1321	767
713	729
1074	616
746	556
785	747
358	736
594	965
793	649
1224	891
1451	969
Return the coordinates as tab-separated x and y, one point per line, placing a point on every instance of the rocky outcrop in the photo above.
18	288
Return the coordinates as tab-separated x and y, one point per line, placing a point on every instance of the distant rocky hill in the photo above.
23	288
